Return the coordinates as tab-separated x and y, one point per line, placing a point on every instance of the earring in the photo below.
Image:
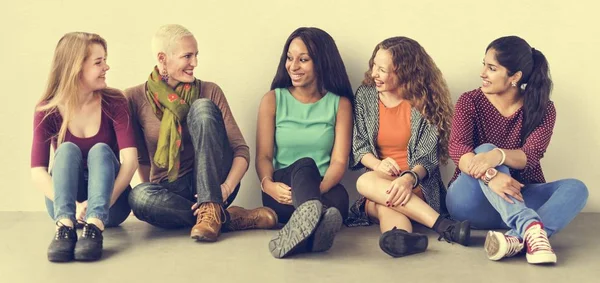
514	84
164	76
523	86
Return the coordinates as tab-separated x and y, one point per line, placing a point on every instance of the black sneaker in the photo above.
399	243
62	246
293	237
89	246
330	224
458	232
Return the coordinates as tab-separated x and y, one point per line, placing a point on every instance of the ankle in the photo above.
442	223
97	222
66	222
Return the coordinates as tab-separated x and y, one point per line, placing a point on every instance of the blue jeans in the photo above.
73	183
554	204
168	204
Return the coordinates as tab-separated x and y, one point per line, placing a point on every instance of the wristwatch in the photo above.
489	175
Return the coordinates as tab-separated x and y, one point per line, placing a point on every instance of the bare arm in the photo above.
370	161
341	147
129	164
144	173
238	169
43	181
265	137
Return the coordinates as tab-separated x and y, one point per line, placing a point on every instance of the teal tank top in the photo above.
304	130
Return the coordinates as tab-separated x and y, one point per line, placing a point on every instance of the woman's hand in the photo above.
388	166
400	190
482	162
505	185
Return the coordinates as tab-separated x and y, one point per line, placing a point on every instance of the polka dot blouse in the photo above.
476	121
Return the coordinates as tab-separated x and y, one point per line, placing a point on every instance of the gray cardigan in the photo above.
422	145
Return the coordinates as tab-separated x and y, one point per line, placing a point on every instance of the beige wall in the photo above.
241	43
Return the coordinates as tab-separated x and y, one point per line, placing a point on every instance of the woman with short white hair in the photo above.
192	154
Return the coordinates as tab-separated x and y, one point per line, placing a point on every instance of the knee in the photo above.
577	188
305	163
138	197
364	182
100	150
203	109
69	149
486	147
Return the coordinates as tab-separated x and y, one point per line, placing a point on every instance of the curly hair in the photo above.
425	87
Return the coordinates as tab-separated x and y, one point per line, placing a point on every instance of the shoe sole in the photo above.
202	238
403	244
494	247
541	258
465	233
88	257
60	257
330	224
301	225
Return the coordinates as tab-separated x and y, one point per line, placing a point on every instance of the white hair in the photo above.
166	36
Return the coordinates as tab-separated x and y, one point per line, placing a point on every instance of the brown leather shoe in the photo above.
208	223
243	219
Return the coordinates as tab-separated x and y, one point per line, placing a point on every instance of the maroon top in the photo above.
115	131
476	121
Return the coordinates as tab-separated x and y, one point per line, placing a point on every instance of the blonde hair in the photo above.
166	36
64	81
425	86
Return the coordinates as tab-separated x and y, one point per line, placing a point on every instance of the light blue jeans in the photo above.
72	183
554	204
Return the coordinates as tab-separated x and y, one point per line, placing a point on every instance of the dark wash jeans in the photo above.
304	178
168	205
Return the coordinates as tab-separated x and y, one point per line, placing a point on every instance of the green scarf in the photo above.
171	108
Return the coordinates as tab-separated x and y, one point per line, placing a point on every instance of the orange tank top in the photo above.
393	136
394	133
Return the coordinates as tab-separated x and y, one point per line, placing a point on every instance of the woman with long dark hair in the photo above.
500	133
303	142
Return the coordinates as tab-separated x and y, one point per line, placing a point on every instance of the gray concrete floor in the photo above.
138	252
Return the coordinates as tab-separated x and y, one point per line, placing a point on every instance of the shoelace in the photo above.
63	231
537	240
514	246
211	214
88	231
244	223
447	234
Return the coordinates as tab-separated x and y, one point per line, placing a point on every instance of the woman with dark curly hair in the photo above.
401	131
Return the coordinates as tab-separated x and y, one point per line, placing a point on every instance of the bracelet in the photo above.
503	156
415	175
261	183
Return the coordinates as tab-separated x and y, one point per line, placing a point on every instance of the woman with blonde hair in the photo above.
88	125
401	130
192	153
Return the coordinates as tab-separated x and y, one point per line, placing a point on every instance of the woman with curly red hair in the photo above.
401	131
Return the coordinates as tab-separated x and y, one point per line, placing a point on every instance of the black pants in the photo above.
168	205
304	178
